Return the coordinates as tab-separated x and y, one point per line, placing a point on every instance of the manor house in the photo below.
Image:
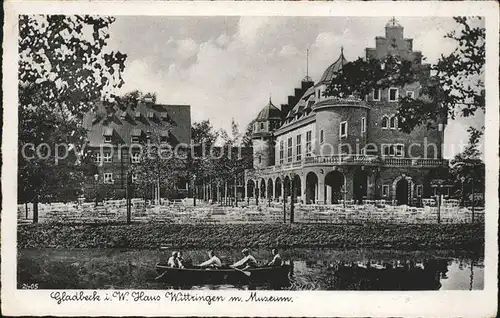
317	143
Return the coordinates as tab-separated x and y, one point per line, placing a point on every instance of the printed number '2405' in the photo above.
30	286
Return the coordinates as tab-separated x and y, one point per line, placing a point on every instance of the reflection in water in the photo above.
324	269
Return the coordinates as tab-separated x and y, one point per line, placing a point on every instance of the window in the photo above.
107	157
151	115
289	149
399	150
135	139
386	150
385	122
385	190
98	157
308	143
255	127
298	148
136	157
410	94
363	124
343	129
134	178
107	138
108	177
420	190
394	122
260	159
321	136
261	126
376	94
370	149
345	149
393	94
282	146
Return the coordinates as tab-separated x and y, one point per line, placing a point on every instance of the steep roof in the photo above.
269	112
330	72
177	124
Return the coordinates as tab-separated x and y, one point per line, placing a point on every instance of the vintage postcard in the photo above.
250	158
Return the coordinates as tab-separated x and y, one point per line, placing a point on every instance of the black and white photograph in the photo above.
175	159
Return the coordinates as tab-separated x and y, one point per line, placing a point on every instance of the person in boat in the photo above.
180	260
213	261
172	260
276	259
247	261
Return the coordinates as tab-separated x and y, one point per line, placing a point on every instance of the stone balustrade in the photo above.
356	159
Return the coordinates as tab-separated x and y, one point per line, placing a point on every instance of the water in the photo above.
312	268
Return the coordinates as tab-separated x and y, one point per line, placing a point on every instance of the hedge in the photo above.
152	236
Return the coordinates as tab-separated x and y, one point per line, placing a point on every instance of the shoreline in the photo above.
154	236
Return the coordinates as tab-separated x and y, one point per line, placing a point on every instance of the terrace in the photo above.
358	159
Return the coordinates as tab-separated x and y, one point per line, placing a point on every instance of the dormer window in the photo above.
108	134
410	94
151	115
164	137
376	95
261	126
164	115
135	135
123	115
137	115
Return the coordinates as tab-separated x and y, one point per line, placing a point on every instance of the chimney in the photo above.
298	93
306	85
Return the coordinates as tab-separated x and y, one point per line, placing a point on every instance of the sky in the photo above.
229	67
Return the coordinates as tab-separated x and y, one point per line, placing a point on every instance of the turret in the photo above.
266	122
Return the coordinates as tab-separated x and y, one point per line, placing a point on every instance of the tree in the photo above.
467	168
237	157
203	137
64	72
454	85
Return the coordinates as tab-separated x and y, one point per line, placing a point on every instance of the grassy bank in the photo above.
151	236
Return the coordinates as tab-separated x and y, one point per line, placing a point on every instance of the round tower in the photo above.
266	122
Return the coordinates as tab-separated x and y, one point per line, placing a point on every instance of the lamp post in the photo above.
344	191
194	189
96	177
462	179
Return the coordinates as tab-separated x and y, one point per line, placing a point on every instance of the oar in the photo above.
160	276
242	271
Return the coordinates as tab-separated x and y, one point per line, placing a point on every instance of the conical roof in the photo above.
334	68
269	112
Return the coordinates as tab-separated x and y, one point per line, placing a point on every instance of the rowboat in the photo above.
275	276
